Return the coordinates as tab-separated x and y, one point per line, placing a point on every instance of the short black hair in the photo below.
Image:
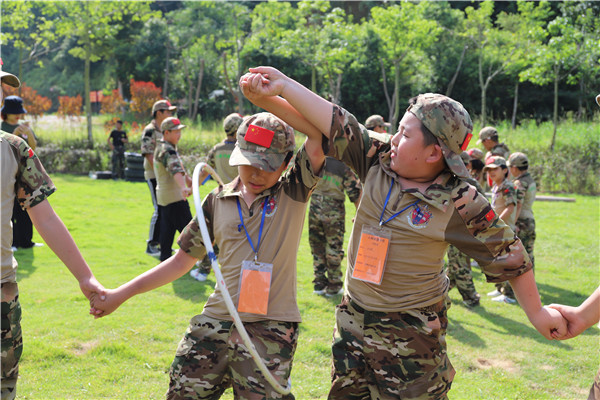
477	164
523	168
494	138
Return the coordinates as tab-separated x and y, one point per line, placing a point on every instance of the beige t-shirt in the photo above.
150	136
282	230
166	164
23	176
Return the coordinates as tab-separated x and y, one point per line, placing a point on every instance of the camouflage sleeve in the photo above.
190	239
148	141
475	229
352	184
300	180
521	190
33	185
351	142
509	192
171	161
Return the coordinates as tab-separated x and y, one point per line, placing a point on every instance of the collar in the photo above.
438	194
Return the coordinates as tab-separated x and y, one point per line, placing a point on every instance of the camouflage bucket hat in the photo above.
518	160
494	162
263	141
487	133
450	123
374	121
170	124
163	105
231	123
8	78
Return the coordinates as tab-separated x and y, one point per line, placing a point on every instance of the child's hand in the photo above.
550	323
186	192
92	288
262	81
575	324
100	308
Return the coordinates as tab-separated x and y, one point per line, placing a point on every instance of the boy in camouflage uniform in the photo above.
24	178
218	159
173	185
160	110
504	202
518	165
389	340
256	220
327	224
488	136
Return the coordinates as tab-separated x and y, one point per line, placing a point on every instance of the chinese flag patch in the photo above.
260	136
490	215
30	153
466	141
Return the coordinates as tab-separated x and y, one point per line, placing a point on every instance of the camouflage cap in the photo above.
476	154
8	78
263	141
487	133
518	160
494	162
464	156
449	122
231	123
170	124
374	121
163	105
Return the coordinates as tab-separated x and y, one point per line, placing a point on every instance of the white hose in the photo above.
221	282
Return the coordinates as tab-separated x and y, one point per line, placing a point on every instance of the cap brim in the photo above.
243	157
10	79
454	161
598	99
172	108
491	166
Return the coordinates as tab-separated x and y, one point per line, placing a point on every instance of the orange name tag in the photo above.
255	285
371	255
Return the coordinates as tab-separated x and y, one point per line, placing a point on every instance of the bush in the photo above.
73	160
113	103
69	106
143	97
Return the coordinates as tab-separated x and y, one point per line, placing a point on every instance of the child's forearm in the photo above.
590	309
164	273
313	107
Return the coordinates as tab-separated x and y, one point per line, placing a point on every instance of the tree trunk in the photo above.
198	87
481	85
236	98
515	101
555	112
166	81
389	101
88	103
396	93
120	89
458	67
20	68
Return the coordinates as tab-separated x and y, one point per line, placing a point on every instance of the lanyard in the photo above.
262	222
387	199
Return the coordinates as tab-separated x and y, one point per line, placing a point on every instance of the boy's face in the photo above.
514	171
172	136
408	151
496	175
256	180
488	144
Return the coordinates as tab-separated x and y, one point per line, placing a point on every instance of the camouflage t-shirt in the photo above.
504	195
166	164
449	211
218	158
499	150
150	136
22	176
526	190
337	179
281	234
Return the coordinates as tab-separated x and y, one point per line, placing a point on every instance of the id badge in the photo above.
372	254
255	284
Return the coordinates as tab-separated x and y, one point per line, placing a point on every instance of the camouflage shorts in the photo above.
390	355
212	357
12	343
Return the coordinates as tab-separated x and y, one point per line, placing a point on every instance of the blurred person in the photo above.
117	141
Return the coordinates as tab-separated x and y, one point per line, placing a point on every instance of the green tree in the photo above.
93	24
405	33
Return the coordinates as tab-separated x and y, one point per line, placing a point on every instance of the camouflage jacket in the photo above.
150	136
526	191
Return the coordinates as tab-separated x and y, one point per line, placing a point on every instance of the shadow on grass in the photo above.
458	329
25	259
190	289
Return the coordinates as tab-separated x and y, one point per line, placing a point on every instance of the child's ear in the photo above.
434	154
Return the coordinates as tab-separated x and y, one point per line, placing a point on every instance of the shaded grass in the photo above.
68	355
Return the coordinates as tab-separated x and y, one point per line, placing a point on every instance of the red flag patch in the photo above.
490	215
466	141
30	153
259	135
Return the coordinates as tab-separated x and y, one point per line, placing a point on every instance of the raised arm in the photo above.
582	317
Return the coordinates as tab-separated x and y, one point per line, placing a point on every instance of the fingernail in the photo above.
103	297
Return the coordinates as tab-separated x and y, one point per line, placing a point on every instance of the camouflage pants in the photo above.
326	226
390	355
526	232
205	265
595	389
212	357
459	273
118	162
12	341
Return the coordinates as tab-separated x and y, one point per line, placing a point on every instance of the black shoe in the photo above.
152	250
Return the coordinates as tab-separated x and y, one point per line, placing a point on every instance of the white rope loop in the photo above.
221	282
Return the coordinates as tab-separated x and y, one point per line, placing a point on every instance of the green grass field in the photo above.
69	355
